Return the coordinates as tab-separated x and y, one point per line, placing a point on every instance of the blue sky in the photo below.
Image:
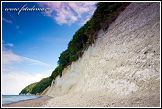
32	41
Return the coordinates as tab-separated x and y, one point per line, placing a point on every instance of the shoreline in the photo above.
37	102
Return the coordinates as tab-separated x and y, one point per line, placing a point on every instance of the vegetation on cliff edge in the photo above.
38	87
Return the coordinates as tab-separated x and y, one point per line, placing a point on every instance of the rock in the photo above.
126	52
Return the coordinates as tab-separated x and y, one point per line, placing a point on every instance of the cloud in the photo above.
35	62
8	57
14	81
7	20
17	73
8	44
12	21
18	29
69	12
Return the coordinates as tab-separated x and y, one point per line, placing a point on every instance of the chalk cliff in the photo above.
122	68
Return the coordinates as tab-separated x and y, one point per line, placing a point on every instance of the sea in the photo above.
7	99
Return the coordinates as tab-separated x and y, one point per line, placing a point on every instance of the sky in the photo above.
33	40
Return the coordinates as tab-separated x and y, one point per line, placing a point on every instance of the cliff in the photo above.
103	16
122	67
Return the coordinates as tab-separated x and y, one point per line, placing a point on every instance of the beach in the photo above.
38	102
91	99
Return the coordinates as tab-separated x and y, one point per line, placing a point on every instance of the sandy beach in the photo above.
38	102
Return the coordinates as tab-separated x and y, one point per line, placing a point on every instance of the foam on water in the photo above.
16	98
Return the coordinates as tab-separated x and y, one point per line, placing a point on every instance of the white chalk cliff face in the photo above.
122	68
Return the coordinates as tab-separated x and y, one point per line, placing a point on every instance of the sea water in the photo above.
16	98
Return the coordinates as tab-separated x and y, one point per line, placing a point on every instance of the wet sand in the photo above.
38	102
